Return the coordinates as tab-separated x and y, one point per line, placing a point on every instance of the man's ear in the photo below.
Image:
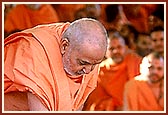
64	45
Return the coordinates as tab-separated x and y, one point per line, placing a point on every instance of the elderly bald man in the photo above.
53	67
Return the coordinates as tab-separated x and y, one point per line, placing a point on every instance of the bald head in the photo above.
86	30
83	43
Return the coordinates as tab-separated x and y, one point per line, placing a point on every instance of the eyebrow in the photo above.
86	62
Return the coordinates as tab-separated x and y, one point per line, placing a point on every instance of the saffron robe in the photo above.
33	63
66	12
21	17
111	81
138	15
138	96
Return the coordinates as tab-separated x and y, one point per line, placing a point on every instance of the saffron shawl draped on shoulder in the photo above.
33	62
138	96
111	81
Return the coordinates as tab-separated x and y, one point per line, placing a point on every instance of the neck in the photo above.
158	90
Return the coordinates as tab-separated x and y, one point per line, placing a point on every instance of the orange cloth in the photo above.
67	12
33	62
111	82
138	15
119	20
138	96
21	17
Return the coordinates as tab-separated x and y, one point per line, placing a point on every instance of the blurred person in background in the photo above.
24	16
66	12
146	91
89	11
121	65
156	18
157	35
138	15
112	16
129	33
143	44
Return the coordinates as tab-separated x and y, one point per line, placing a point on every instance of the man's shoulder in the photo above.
132	56
53	24
137	80
131	53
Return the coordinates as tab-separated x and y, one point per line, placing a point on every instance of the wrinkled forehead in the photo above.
92	51
93	46
92	40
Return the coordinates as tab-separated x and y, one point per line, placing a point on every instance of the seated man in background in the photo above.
120	66
146	91
143	44
53	67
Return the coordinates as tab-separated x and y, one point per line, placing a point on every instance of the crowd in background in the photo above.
133	21
143	17
133	27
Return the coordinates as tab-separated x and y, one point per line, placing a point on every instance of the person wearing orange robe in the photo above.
53	67
113	16
120	66
138	15
24	16
66	12
146	91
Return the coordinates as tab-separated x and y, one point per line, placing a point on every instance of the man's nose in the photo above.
154	70
115	50
88	69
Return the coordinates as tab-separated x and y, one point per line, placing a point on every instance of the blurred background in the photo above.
143	17
133	21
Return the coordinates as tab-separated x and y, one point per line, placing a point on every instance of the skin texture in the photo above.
156	70
83	48
34	103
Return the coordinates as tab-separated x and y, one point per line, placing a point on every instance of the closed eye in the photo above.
81	62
